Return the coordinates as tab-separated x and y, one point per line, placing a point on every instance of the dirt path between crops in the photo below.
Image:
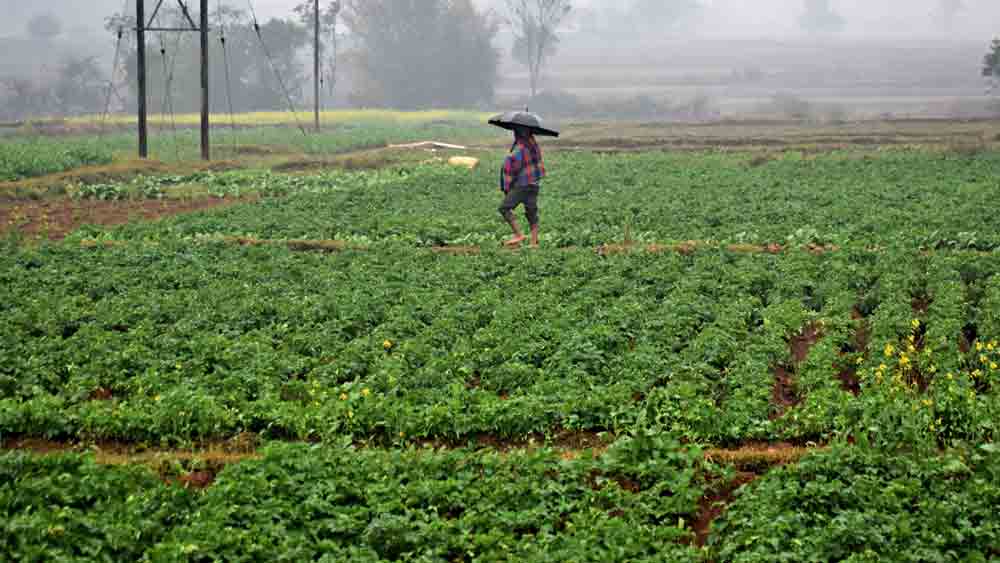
785	394
197	467
54	219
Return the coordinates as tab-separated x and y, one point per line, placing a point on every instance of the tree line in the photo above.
402	53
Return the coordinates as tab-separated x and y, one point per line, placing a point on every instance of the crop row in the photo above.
175	342
896	198
635	502
21	159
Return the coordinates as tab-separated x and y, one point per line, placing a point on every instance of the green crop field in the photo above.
713	356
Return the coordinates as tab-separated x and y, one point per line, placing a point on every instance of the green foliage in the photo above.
21	159
895	199
67	508
307	502
855	504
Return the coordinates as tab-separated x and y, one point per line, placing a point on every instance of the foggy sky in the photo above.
980	19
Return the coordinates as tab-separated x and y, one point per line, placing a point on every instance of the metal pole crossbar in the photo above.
141	30
194	29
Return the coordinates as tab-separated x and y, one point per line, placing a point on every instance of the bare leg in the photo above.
534	235
518	235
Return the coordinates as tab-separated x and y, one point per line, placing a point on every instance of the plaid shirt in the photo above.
524	166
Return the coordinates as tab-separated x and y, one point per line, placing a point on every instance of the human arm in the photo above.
511	169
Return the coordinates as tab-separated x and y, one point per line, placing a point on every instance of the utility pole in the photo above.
335	11
206	152
316	61
141	28
140	18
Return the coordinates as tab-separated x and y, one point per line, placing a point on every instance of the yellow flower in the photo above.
882	367
350	414
859	361
928	403
156	398
889	349
402	434
977	373
915	323
993	366
990	346
950	376
904	360
983	359
387	344
343	396
979	346
365	392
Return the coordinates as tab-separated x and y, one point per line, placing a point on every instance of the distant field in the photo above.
55	147
336	117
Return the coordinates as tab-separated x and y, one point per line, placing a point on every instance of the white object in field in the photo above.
428	144
464	161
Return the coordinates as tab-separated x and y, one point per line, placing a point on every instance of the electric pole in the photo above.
140	18
141	28
206	152
316	61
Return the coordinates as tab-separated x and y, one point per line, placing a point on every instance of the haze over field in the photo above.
760	18
902	56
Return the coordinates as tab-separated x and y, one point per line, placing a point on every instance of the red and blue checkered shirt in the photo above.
524	166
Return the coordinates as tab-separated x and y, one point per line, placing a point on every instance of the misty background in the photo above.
826	59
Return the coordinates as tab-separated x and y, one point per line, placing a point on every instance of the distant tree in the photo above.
944	14
420	53
44	26
329	14
252	81
991	71
819	17
25	98
662	15
535	24
991	63
78	88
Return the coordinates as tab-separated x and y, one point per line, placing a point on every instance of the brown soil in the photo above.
54	219
713	504
966	340
197	479
848	374
785	394
101	394
800	344
920	304
758	457
203	462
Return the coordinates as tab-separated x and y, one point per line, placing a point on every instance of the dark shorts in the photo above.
527	195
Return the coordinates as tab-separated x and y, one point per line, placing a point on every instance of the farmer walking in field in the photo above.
522	171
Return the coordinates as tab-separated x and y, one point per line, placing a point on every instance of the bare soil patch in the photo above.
55	218
714	504
785	394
